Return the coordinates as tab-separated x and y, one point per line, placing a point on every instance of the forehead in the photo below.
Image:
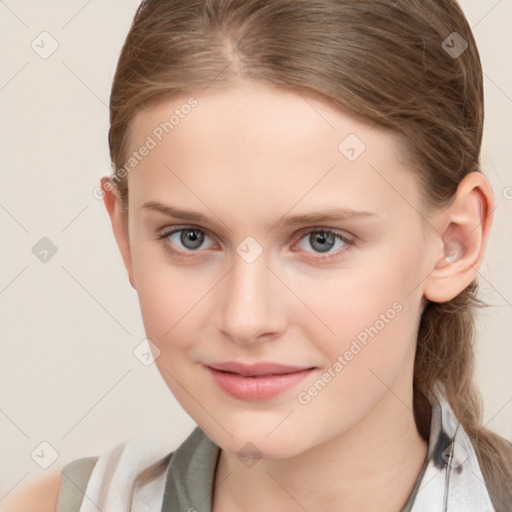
251	112
266	142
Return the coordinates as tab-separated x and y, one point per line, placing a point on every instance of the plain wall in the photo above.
69	325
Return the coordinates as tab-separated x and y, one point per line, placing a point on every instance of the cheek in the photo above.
347	300
168	295
367	316
171	305
372	350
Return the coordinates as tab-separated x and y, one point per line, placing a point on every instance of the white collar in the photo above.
452	480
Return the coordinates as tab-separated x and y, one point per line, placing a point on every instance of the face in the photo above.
269	267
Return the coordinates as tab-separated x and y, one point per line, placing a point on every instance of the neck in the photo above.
373	465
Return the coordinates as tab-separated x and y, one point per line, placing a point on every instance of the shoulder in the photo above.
137	464
62	487
41	495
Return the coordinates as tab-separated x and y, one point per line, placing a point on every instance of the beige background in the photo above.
69	326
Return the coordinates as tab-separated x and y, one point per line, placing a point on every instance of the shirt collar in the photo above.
451	480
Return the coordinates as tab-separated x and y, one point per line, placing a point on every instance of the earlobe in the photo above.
113	206
464	229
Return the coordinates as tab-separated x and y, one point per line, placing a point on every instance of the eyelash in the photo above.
349	243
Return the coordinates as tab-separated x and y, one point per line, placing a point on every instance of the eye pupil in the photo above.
191	235
326	241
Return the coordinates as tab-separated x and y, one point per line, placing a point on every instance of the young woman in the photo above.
299	204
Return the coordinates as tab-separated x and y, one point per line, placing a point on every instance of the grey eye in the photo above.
323	241
189	238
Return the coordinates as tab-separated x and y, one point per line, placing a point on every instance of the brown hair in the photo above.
382	60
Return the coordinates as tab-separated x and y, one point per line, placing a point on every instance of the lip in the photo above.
257	369
255	382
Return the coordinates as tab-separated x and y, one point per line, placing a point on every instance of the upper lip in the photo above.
256	369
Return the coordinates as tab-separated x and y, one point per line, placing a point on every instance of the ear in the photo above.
113	205
465	227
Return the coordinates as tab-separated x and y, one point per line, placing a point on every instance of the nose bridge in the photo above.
250	305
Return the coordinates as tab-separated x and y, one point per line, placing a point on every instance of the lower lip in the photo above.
256	388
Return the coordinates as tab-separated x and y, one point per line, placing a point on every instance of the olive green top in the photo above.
74	477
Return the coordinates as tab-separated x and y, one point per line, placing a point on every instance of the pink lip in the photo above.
258	381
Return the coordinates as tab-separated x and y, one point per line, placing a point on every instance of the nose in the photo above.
252	302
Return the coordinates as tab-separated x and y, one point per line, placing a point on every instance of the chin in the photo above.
255	443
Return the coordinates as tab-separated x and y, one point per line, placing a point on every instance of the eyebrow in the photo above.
330	214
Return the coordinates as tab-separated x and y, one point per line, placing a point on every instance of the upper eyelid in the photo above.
176	229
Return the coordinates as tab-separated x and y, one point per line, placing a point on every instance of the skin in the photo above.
40	494
244	157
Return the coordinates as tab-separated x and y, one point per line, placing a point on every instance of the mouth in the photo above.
257	369
256	382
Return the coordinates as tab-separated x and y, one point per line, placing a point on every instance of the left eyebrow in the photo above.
329	215
332	214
